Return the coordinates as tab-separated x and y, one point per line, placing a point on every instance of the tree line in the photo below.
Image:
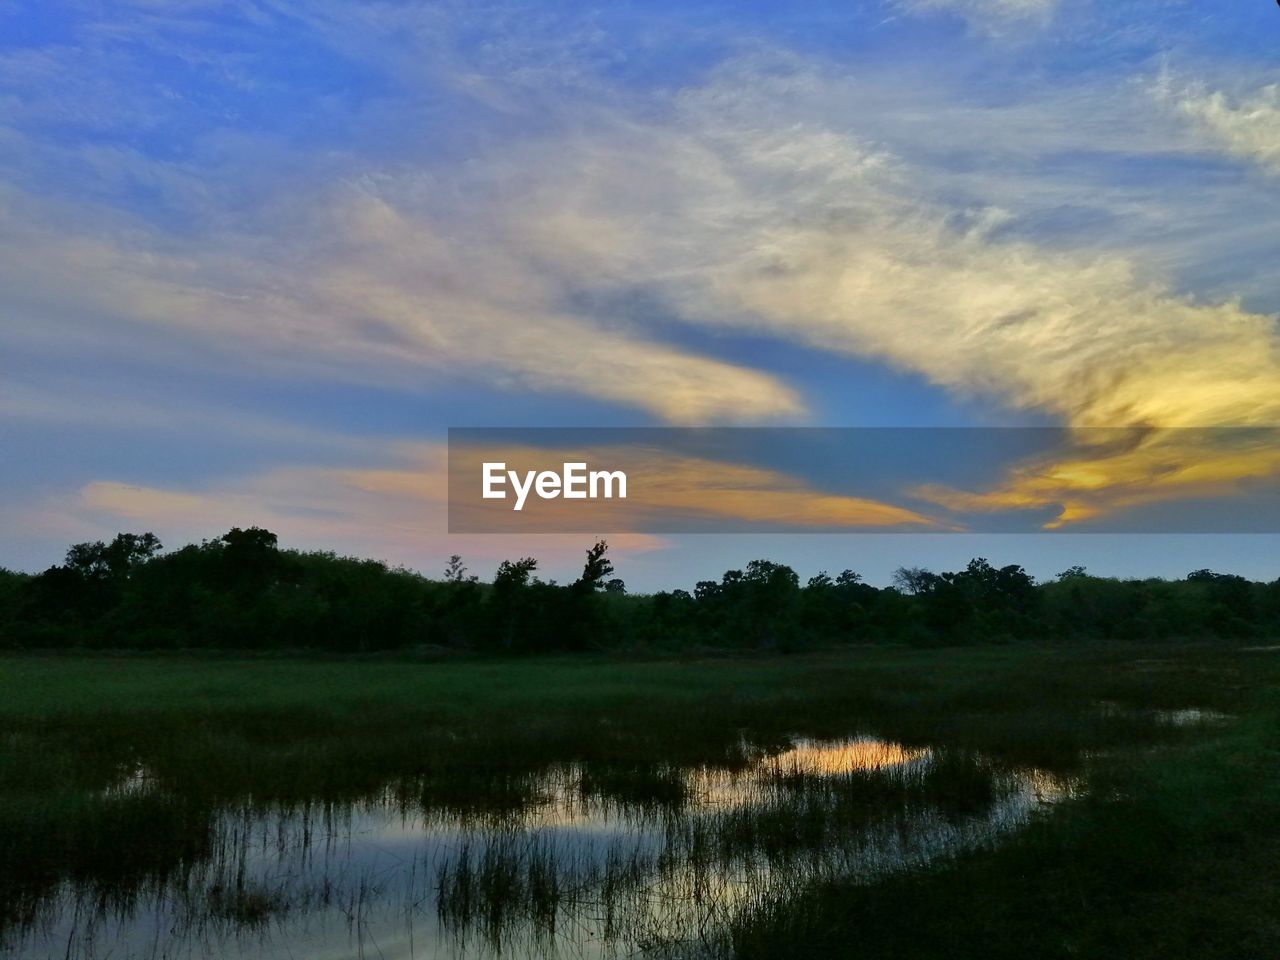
241	591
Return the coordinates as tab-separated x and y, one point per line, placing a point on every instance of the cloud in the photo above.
399	510
752	211
58	404
758	200
290	257
1245	127
394	512
1108	475
667	492
1084	338
748	203
382	296
986	14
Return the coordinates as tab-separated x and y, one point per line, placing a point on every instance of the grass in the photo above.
1172	855
1171	852
247	906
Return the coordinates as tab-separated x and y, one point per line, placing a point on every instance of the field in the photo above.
122	778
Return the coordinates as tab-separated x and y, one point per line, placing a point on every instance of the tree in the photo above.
597	567
980	602
848	578
250	558
254	541
514	574
914	580
113	561
765	605
455	571
820	581
240	590
1230	600
706	590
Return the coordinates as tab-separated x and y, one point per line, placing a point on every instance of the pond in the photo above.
571	860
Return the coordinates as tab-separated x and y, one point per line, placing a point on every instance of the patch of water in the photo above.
587	862
1182	717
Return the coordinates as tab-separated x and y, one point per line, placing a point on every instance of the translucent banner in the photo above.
864	480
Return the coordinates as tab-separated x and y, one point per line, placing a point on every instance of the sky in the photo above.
256	257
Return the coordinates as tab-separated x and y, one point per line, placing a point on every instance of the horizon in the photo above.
570	572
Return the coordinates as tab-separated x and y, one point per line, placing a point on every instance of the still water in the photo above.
572	861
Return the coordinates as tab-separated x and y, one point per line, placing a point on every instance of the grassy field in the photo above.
1171	852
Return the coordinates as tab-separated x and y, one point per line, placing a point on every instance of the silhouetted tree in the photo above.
914	580
514	574
113	561
597	567
242	591
455	570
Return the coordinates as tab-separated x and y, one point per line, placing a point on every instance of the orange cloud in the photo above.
394	514
666	491
1105	477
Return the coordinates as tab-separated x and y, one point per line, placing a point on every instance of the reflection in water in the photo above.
1190	717
576	861
1183	717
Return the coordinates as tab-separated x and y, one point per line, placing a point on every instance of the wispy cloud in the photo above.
1246	127
383	295
773	196
739	204
987	14
794	227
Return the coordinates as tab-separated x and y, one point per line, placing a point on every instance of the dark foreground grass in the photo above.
1175	856
1172	853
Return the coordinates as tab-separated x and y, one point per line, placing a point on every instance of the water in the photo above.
1182	717
572	861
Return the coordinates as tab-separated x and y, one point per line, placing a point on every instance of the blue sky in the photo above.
256	257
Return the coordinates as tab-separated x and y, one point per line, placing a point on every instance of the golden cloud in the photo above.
1105	477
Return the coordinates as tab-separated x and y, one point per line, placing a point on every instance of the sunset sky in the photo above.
257	256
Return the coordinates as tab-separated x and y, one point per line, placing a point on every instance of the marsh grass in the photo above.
244	904
118	776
